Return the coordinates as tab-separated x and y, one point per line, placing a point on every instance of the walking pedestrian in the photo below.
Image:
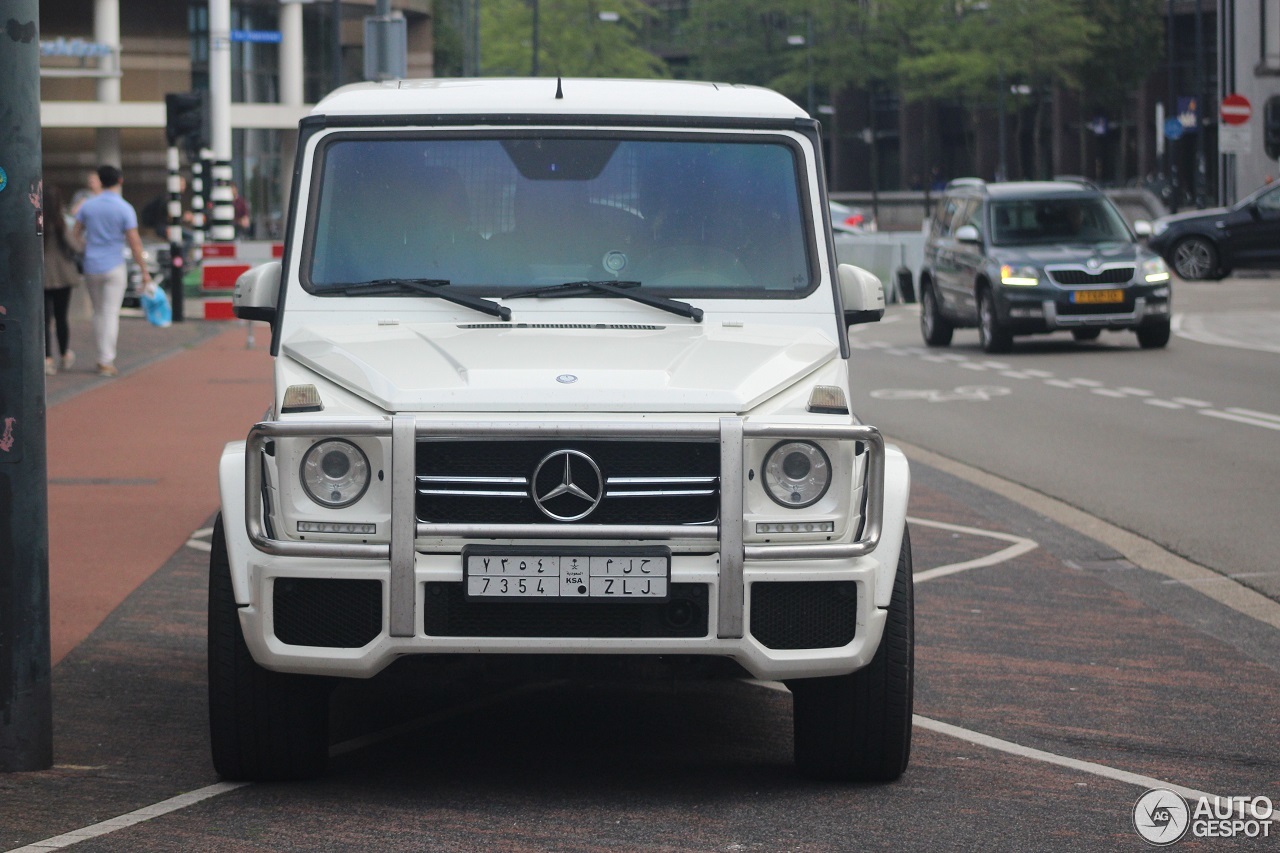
106	223
92	186
62	258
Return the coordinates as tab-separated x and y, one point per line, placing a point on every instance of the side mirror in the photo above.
1142	228
968	234
257	293
862	295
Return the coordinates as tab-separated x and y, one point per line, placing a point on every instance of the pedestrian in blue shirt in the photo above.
106	223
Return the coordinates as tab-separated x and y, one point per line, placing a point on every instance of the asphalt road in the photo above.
1056	679
1056	682
1179	445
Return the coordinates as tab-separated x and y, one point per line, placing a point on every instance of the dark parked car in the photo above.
1033	257
1209	244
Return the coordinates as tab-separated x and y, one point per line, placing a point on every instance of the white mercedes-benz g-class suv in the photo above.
561	368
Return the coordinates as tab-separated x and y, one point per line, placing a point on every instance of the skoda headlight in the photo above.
796	473
1154	271
335	473
1019	276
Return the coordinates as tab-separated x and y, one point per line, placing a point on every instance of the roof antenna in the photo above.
559	91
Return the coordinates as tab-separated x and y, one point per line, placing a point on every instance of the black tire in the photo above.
1195	259
1153	337
993	337
263	725
857	727
934	328
1086	334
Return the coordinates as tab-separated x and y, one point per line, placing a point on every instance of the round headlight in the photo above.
796	473
335	473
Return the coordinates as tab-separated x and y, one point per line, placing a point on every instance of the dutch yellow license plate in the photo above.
1095	297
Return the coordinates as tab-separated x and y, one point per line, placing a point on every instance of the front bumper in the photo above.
735	582
1048	311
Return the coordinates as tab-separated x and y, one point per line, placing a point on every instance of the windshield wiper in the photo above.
427	287
626	289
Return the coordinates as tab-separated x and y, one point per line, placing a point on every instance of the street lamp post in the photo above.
806	41
1002	163
534	65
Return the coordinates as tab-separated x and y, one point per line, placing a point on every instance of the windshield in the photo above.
1056	220
683	215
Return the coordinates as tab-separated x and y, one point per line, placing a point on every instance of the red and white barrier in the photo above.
224	263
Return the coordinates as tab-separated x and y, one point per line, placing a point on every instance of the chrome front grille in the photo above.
592	482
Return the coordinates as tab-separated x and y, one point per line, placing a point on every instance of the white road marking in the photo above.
1039	374
1061	383
181	801
1020	546
1237	416
1108	392
1090	767
968	393
1252	414
1164	404
1015	374
1087	383
133	818
1195	404
200	540
1136	392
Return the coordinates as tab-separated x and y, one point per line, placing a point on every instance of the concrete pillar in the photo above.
291	66
223	229
106	30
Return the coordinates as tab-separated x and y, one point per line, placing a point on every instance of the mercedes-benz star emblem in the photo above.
567	485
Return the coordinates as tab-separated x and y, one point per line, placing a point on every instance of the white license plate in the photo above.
567	575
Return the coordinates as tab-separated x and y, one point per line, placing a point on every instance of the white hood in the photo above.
610	368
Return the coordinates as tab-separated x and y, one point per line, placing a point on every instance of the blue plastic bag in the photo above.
155	304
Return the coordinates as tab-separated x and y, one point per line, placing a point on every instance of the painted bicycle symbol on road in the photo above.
963	393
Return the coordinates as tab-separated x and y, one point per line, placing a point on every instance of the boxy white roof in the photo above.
491	96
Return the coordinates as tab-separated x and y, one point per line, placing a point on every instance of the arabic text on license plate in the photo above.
566	576
1094	296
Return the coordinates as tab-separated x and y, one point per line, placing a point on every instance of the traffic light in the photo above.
187	119
1271	127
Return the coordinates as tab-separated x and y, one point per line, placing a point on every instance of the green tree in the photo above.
739	41
979	54
1127	48
573	40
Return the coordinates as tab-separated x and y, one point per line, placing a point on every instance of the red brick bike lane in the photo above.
133	459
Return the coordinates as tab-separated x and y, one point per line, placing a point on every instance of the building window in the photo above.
1269	28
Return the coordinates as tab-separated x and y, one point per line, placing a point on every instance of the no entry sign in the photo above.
1235	109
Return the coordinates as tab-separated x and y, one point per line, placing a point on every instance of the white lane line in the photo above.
1164	404
1252	414
989	742
1015	374
1020	546
181	801
1090	767
1136	392
1039	374
133	818
1060	383
1087	383
969	365
200	540
1108	392
1230	415
1195	404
